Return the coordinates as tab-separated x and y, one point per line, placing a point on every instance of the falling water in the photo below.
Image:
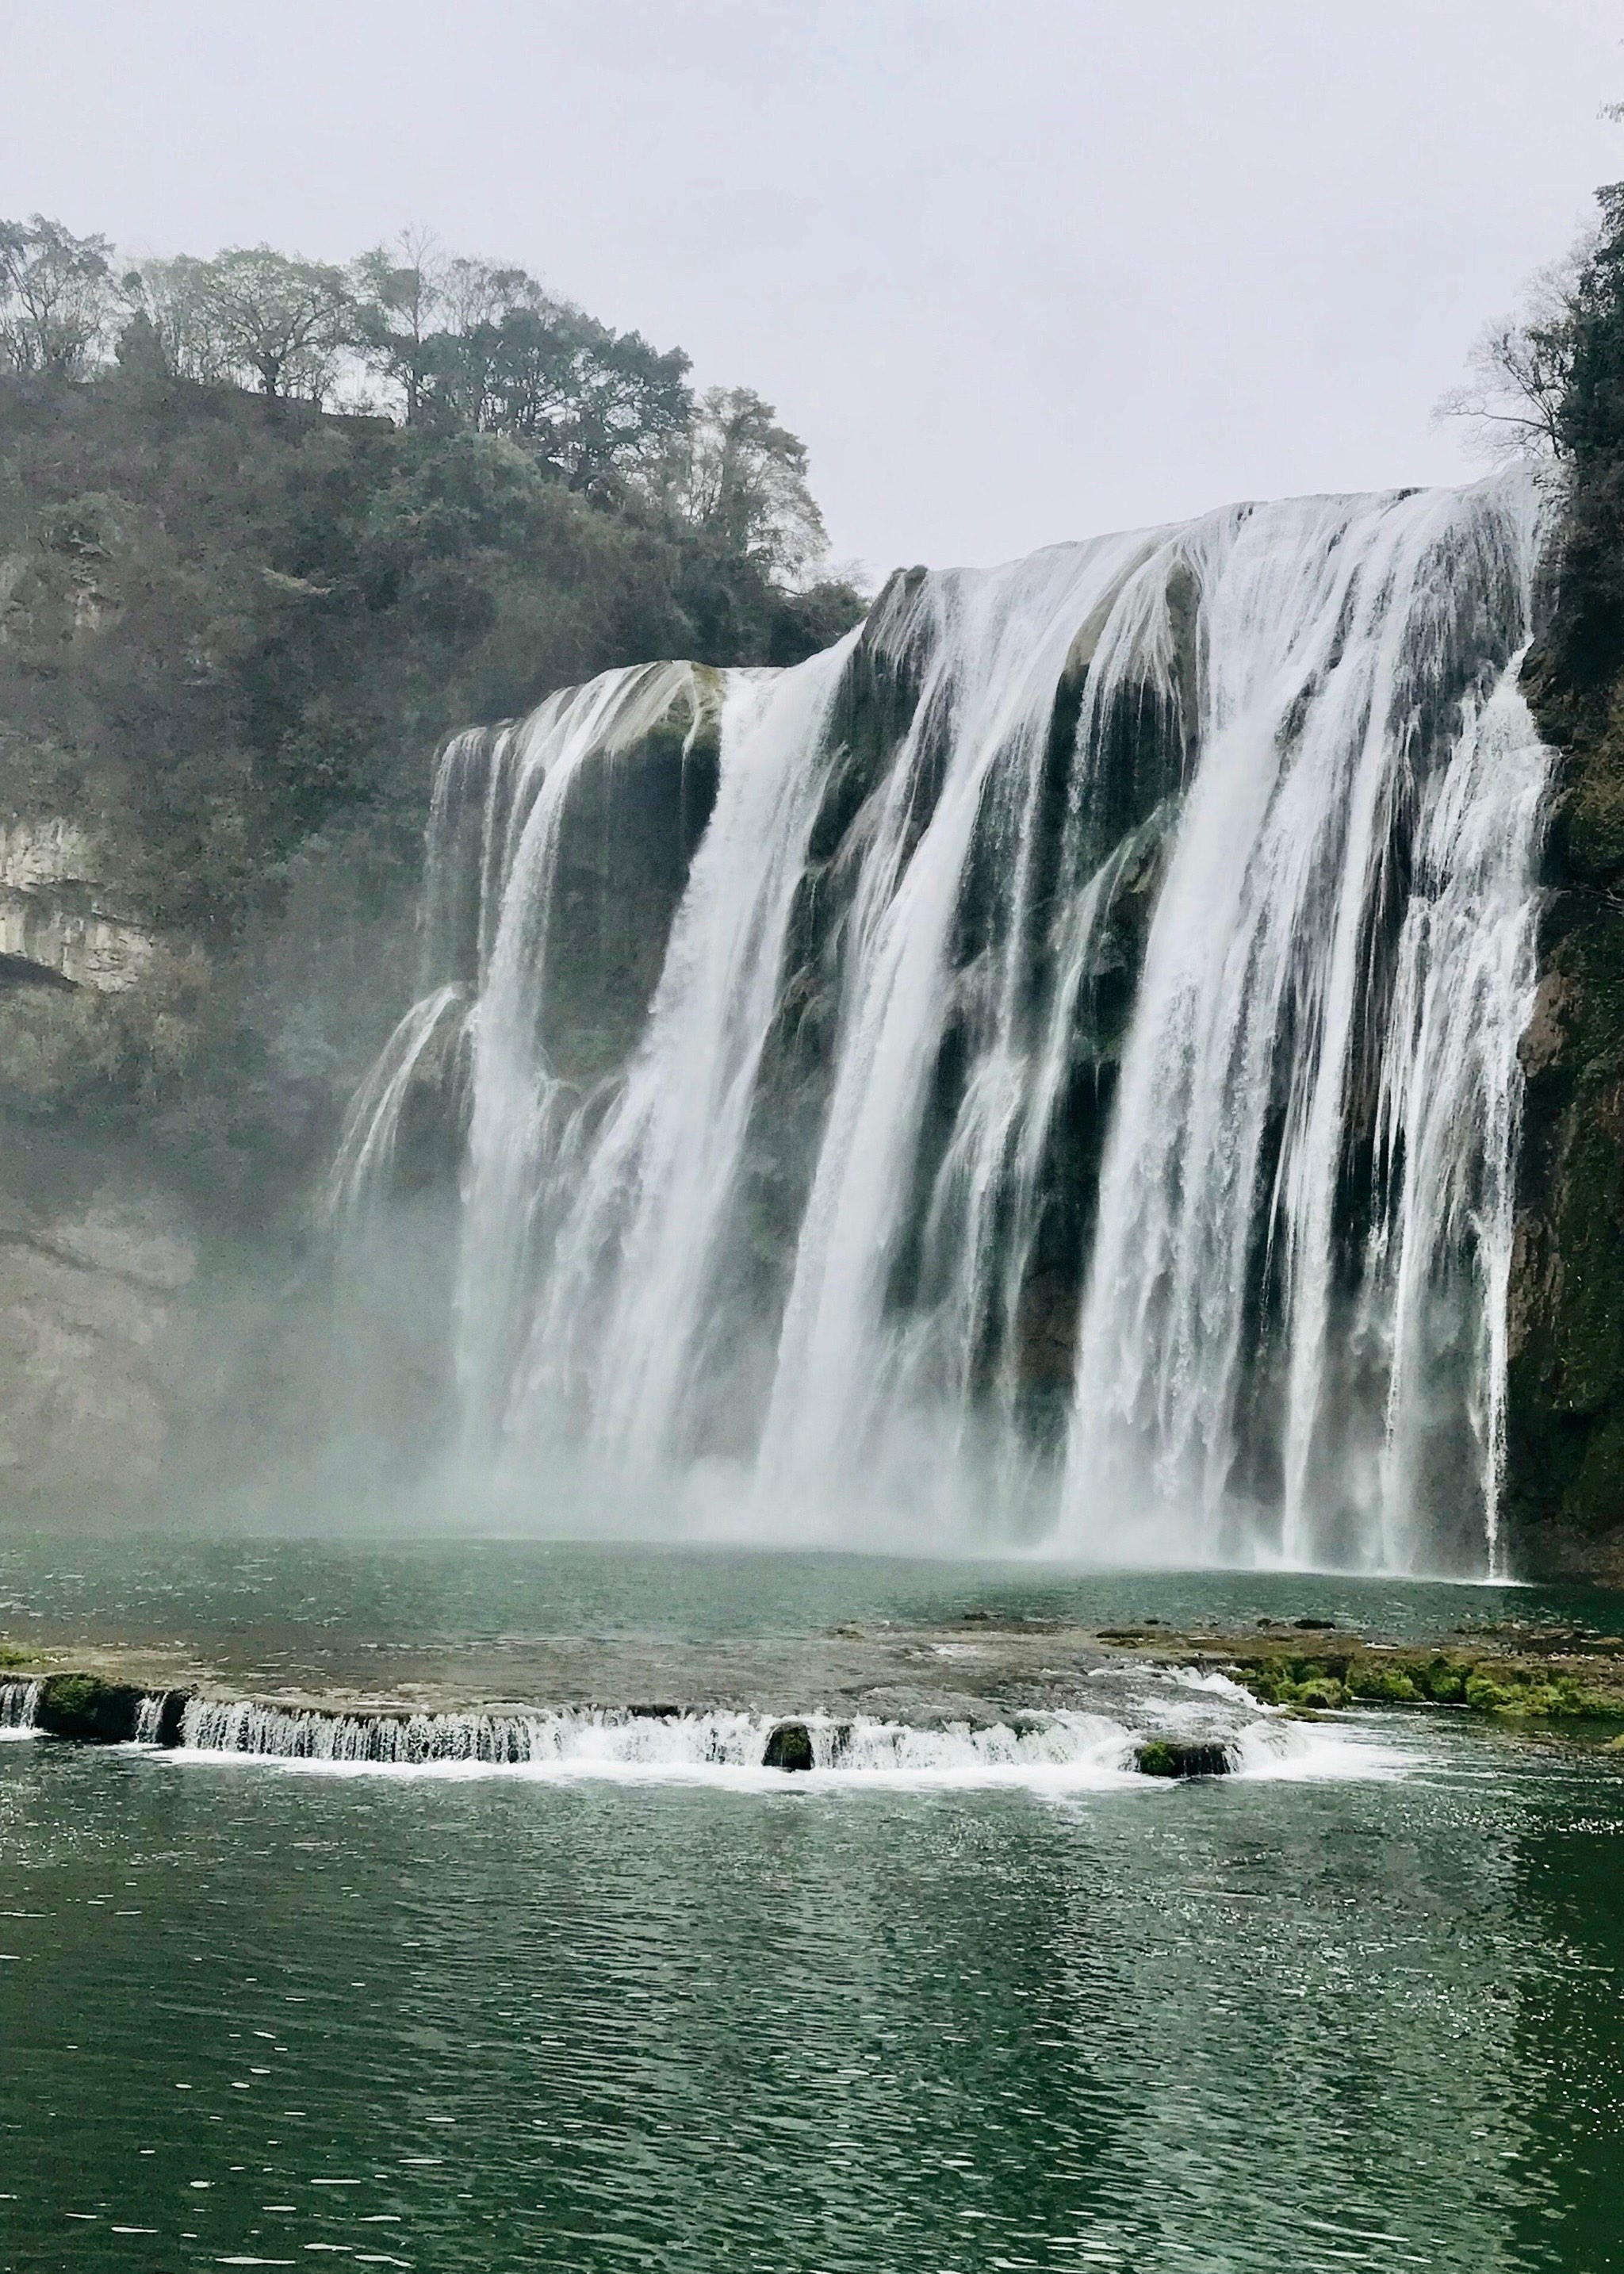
592	1740
1055	1748
1350	780
20	1705
1067	1083
368	1146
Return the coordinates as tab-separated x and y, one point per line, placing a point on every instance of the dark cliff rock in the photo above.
1565	1477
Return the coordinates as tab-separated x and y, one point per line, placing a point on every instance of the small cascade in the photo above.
1073	1748
19	1705
1045	1070
149	1719
590	1739
492	1740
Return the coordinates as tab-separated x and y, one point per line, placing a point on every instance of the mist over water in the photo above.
1044	1071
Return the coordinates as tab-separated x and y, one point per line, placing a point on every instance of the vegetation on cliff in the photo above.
267	531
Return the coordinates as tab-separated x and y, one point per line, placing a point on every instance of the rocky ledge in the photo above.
976	1674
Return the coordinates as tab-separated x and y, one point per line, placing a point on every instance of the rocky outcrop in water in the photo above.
789	1746
1181	1757
97	1711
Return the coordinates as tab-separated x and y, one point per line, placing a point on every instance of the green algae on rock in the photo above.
1181	1757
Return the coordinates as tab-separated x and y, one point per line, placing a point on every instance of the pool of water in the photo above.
251	2016
234	1599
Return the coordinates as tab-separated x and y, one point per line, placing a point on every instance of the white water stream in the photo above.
20	1702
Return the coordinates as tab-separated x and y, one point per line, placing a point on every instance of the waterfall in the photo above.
20	1703
363	1168
1045	1069
1365	759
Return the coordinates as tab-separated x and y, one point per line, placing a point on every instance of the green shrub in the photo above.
1389	1685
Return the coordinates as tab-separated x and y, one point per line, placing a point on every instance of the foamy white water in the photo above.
1239	1395
1055	1751
20	1702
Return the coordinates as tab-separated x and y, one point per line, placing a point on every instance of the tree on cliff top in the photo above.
1519	366
252	317
740	477
56	295
172	319
284	322
474	345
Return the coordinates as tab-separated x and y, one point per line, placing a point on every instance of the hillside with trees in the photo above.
270	528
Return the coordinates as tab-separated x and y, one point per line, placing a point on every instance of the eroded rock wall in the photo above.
56	913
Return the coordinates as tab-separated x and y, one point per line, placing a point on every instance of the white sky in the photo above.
1016	270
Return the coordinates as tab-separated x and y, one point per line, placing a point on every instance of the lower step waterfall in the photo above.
1044	1070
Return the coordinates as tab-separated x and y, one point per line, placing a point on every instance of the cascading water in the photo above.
1340	964
20	1705
1055	1748
1045	1068
588	1740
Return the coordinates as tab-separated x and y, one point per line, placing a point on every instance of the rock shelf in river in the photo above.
978	1693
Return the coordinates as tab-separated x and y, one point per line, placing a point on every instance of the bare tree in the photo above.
1519	365
56	295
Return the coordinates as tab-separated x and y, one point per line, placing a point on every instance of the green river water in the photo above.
258	2015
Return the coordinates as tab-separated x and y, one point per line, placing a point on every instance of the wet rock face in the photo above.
629	834
1181	1757
789	1746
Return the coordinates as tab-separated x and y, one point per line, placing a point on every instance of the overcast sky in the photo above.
1016	270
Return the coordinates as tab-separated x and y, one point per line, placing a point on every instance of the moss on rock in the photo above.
1181	1757
84	1706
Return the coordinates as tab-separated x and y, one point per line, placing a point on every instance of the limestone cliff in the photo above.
59	918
